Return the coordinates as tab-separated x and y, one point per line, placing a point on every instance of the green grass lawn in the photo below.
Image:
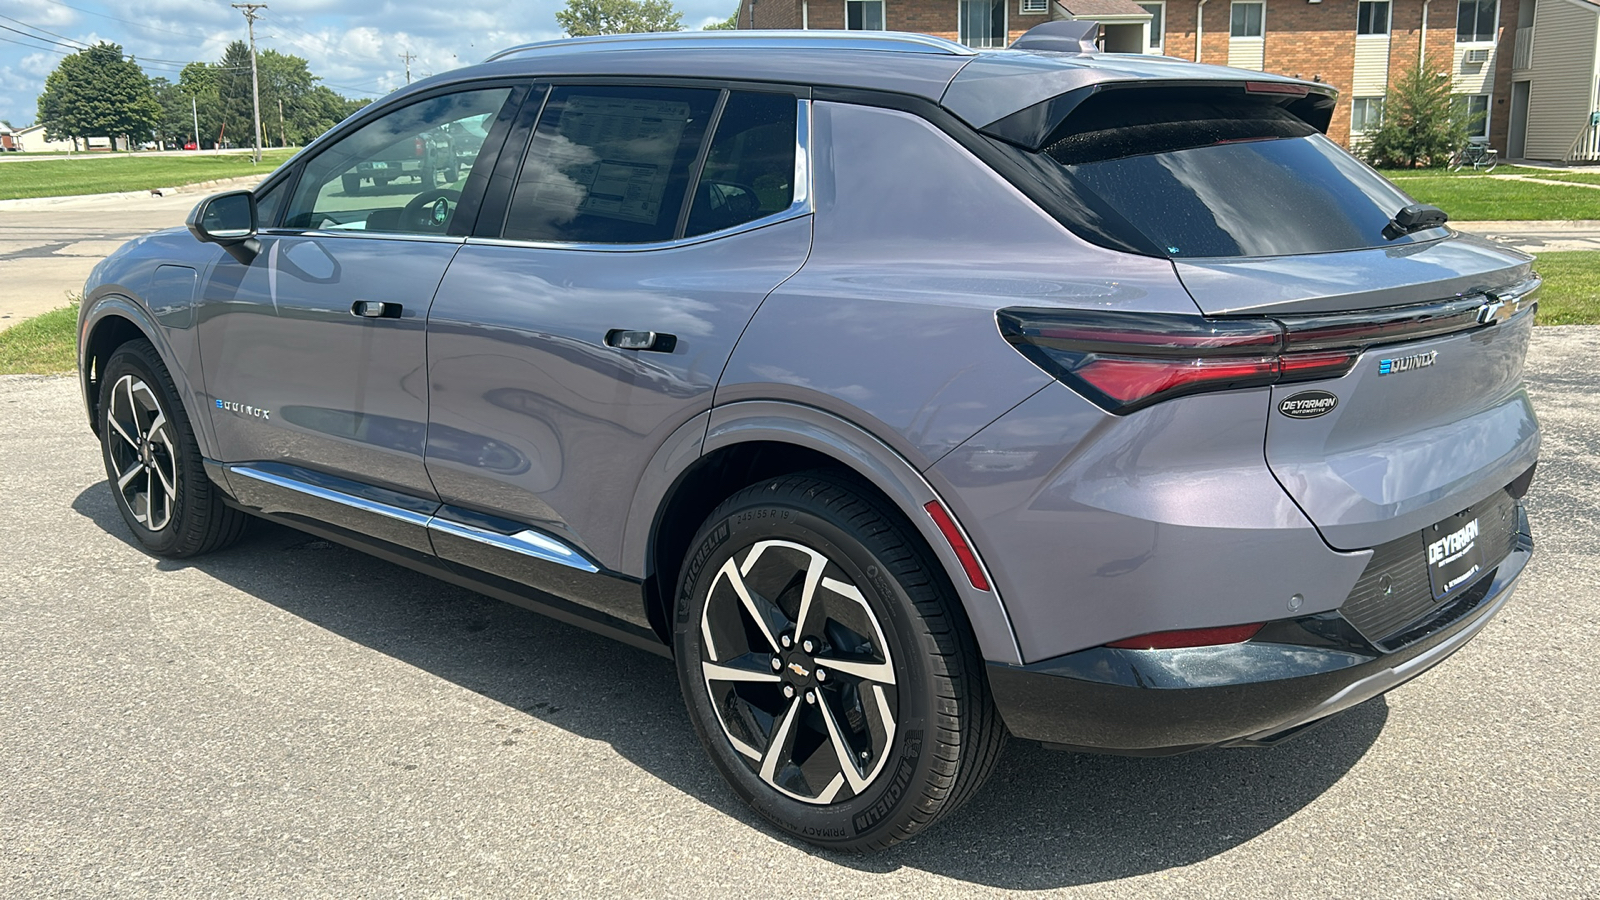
1473	198
43	345
1571	294
64	177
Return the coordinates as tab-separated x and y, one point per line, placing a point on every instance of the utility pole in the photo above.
250	16
408	56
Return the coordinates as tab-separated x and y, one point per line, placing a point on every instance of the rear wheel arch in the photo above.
751	441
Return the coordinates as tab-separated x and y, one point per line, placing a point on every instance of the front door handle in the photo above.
653	341
374	309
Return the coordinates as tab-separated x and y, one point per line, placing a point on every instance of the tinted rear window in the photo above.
1217	178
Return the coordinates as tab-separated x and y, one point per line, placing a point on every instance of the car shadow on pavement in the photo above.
1045	820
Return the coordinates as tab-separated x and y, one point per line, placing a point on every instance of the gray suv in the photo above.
908	396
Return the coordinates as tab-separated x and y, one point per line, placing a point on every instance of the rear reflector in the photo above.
958	543
1194	637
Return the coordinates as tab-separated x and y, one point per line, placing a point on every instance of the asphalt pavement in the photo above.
289	718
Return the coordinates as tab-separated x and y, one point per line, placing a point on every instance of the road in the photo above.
290	718
49	245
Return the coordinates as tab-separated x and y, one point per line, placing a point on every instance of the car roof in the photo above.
979	86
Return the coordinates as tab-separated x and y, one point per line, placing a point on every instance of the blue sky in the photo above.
354	45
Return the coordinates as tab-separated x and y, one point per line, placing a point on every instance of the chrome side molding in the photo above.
527	542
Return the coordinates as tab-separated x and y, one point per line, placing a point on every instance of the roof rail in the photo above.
753	39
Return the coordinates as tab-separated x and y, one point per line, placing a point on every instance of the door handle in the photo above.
653	341
374	309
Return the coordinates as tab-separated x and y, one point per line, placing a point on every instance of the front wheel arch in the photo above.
108	332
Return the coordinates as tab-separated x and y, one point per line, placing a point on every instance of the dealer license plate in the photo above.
1456	550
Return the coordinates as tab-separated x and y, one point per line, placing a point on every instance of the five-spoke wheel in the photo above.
152	461
827	665
799	672
142	455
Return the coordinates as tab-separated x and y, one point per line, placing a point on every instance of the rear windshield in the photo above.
1205	177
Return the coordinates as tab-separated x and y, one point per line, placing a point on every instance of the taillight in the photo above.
1192	637
421	148
1126	361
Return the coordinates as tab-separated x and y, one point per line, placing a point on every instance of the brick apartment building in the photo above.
1531	66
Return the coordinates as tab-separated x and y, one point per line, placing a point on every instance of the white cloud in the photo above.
354	45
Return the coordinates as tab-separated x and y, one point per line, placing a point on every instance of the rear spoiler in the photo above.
1033	126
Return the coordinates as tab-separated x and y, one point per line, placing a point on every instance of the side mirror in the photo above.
229	220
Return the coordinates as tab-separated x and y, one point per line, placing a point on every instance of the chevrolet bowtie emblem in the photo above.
798	670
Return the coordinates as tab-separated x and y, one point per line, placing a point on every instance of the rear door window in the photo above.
749	171
1209	177
609	164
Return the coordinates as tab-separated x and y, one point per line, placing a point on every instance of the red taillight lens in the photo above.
1126	361
421	147
1132	380
1193	637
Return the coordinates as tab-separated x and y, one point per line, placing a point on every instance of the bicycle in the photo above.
1479	156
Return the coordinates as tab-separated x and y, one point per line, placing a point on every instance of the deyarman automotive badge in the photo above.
1308	405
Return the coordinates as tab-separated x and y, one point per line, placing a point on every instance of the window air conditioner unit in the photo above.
1477	57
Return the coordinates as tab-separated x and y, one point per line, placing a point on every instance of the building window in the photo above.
1372	17
1158	23
1474	109
1247	20
863	15
1475	21
1035	7
1366	114
983	23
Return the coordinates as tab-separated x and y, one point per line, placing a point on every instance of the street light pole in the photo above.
194	107
250	16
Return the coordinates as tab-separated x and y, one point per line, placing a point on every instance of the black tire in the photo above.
146	438
352	185
919	744
1456	161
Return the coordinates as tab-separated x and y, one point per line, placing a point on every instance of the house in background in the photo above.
1528	66
32	140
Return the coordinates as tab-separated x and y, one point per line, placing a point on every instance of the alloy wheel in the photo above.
142	452
798	672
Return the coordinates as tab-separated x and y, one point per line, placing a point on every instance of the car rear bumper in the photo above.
1294	674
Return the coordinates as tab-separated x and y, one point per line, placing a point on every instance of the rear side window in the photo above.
749	170
1209	176
609	165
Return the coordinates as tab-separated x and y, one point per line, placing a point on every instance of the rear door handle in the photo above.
653	341
374	309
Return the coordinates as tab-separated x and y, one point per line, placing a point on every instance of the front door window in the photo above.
401	173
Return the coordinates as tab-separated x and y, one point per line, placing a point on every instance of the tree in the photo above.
589	17
731	23
235	106
175	127
98	93
1421	126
